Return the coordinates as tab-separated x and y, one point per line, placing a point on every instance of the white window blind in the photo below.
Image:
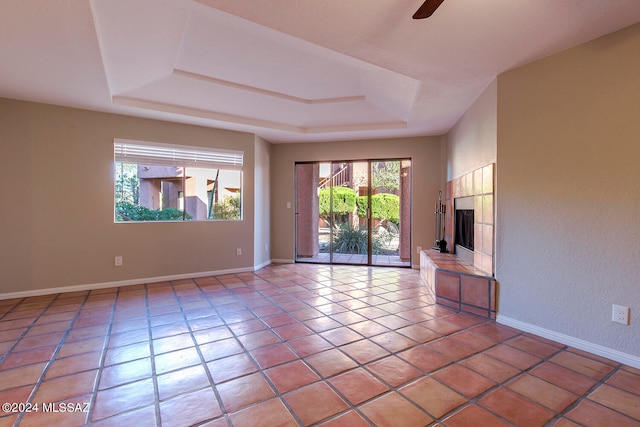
140	152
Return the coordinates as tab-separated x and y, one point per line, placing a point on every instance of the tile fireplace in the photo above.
463	279
473	191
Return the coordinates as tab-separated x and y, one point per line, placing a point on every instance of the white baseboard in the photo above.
264	264
291	261
606	352
128	282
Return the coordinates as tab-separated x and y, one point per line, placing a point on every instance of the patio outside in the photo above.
347	209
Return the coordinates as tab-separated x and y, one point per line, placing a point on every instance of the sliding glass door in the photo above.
339	196
354	212
390	212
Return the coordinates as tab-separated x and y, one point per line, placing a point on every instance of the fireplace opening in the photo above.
464	228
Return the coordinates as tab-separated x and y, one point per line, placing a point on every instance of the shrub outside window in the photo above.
161	182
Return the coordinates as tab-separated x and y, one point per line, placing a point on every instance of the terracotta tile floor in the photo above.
292	345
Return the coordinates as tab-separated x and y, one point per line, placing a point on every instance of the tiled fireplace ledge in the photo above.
457	284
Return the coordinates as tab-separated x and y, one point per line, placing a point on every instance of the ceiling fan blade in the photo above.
427	9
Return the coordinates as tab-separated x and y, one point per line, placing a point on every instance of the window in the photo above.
160	182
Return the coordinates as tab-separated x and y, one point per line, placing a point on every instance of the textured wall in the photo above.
471	144
568	193
56	220
426	172
262	195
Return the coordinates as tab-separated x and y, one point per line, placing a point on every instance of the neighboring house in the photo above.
161	187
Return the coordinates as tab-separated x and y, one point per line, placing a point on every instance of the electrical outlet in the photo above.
620	314
117	261
419	249
239	251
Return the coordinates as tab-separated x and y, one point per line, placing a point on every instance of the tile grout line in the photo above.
52	358
212	383
299	358
344	324
27	329
261	370
152	355
289	285
476	399
351	407
105	346
151	360
549	359
585	395
278	394
323	379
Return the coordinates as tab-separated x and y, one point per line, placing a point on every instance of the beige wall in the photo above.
568	207
472	142
425	153
471	148
56	220
261	232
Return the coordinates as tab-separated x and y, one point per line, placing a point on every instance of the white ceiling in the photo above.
287	70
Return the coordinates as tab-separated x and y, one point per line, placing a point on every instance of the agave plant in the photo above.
351	240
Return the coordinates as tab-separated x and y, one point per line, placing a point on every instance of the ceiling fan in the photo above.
427	9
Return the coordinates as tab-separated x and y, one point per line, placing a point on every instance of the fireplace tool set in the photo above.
441	209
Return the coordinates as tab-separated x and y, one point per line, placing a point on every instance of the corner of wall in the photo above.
262	203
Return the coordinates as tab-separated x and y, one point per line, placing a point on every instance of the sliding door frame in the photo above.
313	253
